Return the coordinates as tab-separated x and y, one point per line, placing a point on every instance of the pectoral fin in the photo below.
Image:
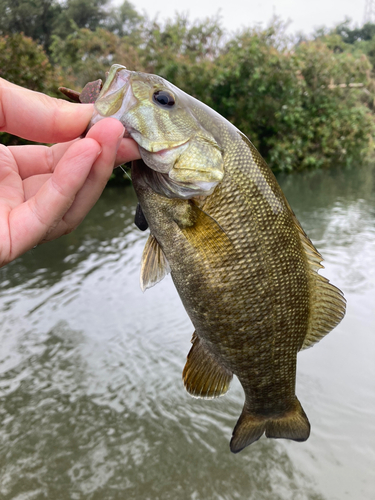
206	234
203	375
154	265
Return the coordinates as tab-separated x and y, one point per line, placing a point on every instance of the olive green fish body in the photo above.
248	301
242	265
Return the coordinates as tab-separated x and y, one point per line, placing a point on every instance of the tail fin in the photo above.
293	424
248	429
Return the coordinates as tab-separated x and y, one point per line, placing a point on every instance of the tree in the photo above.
299	101
87	55
35	19
183	52
40	19
88	14
353	35
123	20
281	97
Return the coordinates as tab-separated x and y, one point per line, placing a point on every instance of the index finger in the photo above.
38	117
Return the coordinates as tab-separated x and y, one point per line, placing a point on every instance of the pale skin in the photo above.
46	191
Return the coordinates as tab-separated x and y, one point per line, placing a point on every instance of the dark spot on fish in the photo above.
140	219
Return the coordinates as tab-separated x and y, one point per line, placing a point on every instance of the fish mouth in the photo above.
159	148
115	98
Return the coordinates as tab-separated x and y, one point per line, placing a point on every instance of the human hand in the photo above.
46	192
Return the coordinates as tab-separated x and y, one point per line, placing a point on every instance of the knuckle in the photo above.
49	158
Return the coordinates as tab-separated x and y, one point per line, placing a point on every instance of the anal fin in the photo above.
154	265
203	375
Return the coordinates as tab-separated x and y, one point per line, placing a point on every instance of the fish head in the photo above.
183	157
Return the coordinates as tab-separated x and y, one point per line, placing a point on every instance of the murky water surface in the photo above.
92	404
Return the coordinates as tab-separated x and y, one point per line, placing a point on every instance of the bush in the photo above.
286	101
292	99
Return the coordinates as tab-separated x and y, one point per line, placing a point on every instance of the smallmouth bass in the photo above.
245	270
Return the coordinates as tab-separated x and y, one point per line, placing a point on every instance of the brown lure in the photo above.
89	94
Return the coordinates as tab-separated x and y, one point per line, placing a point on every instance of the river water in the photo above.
92	404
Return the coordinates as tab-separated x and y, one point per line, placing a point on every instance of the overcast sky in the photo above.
304	15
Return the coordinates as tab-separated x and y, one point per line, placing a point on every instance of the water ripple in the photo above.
92	404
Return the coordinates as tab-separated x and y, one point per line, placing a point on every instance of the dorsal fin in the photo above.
328	309
154	266
327	303
203	375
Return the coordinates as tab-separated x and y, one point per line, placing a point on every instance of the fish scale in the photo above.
244	268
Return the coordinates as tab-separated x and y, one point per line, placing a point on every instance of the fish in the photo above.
245	270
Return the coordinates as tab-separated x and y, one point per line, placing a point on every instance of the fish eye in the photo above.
163	98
